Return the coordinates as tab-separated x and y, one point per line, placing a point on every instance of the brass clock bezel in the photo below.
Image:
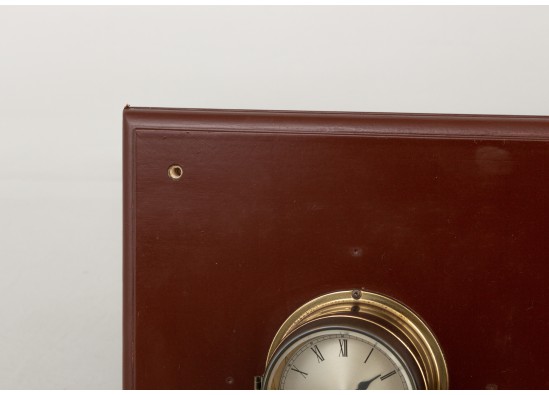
372	309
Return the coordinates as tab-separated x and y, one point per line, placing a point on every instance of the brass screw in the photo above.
175	172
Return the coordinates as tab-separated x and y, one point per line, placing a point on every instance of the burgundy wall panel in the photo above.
448	214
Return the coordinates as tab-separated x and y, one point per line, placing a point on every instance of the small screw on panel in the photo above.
356	294
175	172
356	252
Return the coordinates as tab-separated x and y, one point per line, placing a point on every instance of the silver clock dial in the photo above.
341	359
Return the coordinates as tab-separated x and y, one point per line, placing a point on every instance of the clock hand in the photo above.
363	385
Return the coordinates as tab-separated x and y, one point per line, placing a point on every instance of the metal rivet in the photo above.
175	172
356	294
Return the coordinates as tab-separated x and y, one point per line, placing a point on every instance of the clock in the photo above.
354	340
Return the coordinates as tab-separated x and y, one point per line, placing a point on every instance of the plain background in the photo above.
66	73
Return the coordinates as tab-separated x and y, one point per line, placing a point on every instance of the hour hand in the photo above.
363	385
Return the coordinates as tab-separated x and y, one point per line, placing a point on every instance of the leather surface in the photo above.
448	214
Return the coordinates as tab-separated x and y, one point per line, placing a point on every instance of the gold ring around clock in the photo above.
371	310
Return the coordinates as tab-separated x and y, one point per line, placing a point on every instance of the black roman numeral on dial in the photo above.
370	353
387	375
300	372
318	354
343	348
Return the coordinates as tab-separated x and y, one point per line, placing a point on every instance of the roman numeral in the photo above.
318	354
300	372
343	348
370	353
388	375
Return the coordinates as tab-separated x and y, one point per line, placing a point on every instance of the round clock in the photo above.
355	340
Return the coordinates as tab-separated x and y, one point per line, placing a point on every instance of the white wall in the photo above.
66	73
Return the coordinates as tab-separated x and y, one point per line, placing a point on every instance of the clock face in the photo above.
339	359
